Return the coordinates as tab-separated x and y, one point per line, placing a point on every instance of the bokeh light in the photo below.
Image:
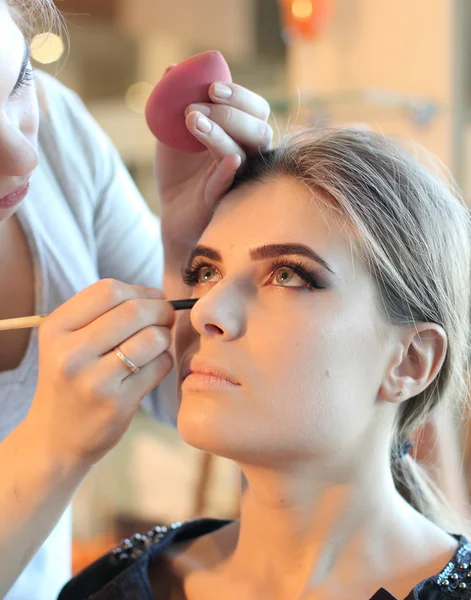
47	48
302	9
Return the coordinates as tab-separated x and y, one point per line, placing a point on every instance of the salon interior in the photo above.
396	66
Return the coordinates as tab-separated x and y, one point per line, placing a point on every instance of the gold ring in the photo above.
129	364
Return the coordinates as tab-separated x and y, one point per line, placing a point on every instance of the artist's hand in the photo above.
190	183
86	395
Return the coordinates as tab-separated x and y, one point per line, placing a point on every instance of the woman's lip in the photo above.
202	381
207	367
15	197
211	374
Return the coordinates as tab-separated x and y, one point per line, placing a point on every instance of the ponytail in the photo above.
418	489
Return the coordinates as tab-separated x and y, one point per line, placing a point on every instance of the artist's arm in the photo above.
36	487
84	401
130	249
121	233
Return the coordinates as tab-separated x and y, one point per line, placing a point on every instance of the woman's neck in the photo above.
298	532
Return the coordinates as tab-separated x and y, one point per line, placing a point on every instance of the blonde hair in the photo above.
33	16
414	235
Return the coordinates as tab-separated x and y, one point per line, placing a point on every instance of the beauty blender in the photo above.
186	83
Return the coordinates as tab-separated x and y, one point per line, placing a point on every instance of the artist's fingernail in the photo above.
238	163
154	293
203	124
169	68
222	91
202	108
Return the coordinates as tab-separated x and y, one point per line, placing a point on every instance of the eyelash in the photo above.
190	274
28	77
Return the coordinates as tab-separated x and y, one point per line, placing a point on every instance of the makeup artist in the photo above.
78	241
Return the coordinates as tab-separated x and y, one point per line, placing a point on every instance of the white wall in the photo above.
402	45
223	24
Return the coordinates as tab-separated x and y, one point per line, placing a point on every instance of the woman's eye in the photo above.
25	81
200	273
286	277
207	274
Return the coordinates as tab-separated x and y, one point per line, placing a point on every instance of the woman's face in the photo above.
283	356
18	116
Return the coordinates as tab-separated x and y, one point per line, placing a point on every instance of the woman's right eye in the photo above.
205	274
199	274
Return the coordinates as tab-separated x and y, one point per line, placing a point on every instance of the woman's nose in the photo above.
18	153
220	313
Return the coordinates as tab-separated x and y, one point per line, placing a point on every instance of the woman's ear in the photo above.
418	358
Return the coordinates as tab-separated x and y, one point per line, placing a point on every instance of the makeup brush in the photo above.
35	321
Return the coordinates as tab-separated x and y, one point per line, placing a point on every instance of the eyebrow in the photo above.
265	252
24	64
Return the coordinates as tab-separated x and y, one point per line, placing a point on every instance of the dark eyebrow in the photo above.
278	250
206	252
24	64
264	252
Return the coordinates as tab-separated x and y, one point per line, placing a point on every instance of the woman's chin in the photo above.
201	430
208	427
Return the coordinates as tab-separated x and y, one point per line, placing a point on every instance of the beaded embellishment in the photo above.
130	549
456	576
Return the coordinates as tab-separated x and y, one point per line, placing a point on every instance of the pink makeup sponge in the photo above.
187	83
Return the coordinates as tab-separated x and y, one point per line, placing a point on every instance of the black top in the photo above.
123	573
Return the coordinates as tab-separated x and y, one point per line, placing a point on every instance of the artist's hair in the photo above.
35	16
413	232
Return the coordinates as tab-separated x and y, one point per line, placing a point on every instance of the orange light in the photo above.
302	9
304	19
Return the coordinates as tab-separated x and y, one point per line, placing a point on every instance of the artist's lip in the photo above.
207	369
15	197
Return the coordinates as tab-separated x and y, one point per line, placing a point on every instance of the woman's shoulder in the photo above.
78	154
453	582
56	99
124	572
68	133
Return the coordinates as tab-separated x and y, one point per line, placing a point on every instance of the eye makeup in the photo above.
26	74
300	269
191	275
23	82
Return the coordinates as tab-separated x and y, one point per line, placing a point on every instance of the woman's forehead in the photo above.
281	209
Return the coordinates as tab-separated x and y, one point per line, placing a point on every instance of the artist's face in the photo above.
18	116
300	339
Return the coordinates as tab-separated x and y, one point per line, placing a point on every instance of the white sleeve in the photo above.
126	234
129	243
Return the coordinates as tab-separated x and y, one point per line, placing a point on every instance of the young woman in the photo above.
75	234
333	317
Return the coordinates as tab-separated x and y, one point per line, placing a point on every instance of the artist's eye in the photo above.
199	273
24	82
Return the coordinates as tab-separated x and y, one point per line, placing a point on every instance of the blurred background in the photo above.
393	65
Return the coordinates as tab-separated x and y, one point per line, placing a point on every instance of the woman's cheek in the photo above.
30	116
184	334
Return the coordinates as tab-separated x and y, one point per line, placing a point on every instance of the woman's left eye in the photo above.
287	277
